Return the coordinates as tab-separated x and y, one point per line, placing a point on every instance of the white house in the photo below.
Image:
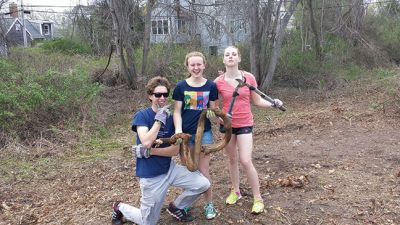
214	24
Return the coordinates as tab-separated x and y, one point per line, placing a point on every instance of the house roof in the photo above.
32	28
6	23
40	21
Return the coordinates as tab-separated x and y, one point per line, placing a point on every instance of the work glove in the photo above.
210	114
139	151
162	114
277	103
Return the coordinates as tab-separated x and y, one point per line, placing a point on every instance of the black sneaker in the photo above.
116	217
179	214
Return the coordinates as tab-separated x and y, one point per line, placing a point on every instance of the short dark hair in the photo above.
155	82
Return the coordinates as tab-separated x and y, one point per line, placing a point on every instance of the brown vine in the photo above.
191	158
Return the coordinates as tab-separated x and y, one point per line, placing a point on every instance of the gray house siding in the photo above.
215	28
15	36
167	25
35	30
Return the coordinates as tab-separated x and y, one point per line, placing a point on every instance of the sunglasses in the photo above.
158	95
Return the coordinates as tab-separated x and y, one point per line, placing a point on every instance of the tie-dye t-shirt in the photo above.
194	100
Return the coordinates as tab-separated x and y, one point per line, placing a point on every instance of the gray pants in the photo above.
155	189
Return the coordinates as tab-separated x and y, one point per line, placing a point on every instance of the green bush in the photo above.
65	46
382	73
38	60
296	68
299	68
30	100
385	30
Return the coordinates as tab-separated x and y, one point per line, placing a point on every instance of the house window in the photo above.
213	50
232	26
17	26
237	25
159	27
181	24
242	26
46	29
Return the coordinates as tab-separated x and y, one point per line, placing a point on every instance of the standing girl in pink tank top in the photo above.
240	146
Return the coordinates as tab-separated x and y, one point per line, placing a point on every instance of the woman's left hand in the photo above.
277	103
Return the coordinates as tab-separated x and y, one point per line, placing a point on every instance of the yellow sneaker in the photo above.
233	198
258	206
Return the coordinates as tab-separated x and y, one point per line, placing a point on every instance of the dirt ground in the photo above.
329	159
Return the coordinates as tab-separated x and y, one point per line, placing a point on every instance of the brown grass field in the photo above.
331	158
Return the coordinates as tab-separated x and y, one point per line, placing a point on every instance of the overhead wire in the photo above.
27	7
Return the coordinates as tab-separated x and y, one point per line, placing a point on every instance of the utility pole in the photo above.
23	24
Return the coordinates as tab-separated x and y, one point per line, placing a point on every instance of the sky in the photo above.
51	10
51	4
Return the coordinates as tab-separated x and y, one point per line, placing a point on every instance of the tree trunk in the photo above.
121	32
147	33
277	45
357	15
270	34
256	35
317	43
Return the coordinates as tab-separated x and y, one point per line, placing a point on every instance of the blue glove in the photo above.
139	151
162	114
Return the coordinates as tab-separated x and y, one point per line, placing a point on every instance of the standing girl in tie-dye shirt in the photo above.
191	96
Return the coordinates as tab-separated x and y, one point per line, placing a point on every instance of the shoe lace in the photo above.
116	215
258	205
209	208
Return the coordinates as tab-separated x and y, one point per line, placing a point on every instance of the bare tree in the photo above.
147	30
280	30
348	21
3	42
317	41
256	33
267	27
123	33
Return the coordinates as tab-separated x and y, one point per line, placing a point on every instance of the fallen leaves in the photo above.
292	181
329	187
317	166
5	206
